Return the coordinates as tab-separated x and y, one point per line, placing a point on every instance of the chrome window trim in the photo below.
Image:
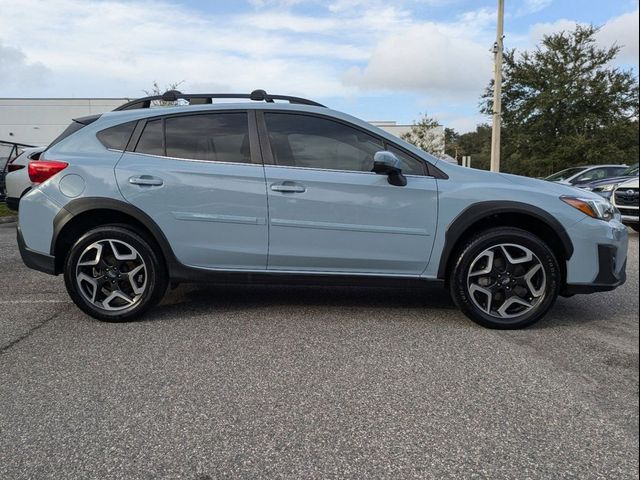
362	172
195	160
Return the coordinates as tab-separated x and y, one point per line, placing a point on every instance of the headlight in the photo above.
594	207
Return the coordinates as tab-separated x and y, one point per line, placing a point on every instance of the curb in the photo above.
10	219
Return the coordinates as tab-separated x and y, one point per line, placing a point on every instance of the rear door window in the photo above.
151	141
214	137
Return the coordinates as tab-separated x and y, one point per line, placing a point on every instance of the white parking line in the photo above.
4	302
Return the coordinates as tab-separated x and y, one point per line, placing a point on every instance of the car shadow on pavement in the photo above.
242	297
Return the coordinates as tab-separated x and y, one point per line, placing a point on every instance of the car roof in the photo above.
116	117
178	109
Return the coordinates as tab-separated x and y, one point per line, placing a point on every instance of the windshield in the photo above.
564	174
632	170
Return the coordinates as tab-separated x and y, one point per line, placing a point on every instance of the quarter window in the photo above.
117	137
217	137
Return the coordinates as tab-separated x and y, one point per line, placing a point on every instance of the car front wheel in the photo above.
505	278
113	274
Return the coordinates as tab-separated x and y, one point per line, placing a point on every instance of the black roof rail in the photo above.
207	98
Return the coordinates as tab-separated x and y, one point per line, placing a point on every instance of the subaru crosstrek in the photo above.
282	189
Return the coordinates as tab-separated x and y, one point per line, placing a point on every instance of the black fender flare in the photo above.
82	205
480	210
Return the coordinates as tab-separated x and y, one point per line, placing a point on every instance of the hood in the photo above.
633	183
607	181
557	188
472	175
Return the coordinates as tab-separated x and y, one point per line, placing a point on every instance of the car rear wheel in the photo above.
113	274
505	278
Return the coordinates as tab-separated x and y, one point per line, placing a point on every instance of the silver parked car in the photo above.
578	176
17	178
625	198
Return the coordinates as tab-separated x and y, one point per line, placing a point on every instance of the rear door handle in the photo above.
146	180
288	187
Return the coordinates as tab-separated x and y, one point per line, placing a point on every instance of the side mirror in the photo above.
386	163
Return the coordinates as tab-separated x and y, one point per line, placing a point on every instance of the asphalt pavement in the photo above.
302	382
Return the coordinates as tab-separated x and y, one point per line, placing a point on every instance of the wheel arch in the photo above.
483	215
79	216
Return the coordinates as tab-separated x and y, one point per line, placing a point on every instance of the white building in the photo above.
37	121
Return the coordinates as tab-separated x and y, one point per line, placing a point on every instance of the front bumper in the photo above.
36	260
607	279
630	219
599	260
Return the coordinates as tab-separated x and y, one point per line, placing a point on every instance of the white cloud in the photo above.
532	6
117	48
426	58
539	30
622	31
352	48
17	70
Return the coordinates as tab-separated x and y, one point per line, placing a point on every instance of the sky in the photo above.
375	59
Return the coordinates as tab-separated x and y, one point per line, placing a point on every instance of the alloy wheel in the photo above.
506	281
111	275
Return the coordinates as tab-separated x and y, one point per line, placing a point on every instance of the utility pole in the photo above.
497	90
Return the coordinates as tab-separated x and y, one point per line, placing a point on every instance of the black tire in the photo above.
155	276
459	280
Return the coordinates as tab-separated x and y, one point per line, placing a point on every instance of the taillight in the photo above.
12	167
42	170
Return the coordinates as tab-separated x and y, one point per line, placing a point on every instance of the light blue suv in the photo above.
282	189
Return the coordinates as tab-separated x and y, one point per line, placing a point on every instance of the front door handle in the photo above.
288	187
146	181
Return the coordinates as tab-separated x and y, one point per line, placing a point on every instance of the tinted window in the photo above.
408	164
304	141
217	137
591	175
632	170
615	171
564	174
151	139
117	137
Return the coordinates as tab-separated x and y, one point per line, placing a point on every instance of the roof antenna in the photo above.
171	95
260	95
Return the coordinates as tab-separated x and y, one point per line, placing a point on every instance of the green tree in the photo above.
565	104
451	147
477	145
426	134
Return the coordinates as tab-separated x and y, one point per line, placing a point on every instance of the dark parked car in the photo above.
577	176
605	187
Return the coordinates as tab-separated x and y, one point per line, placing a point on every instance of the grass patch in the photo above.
5	212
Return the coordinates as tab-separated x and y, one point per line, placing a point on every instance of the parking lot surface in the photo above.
293	382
